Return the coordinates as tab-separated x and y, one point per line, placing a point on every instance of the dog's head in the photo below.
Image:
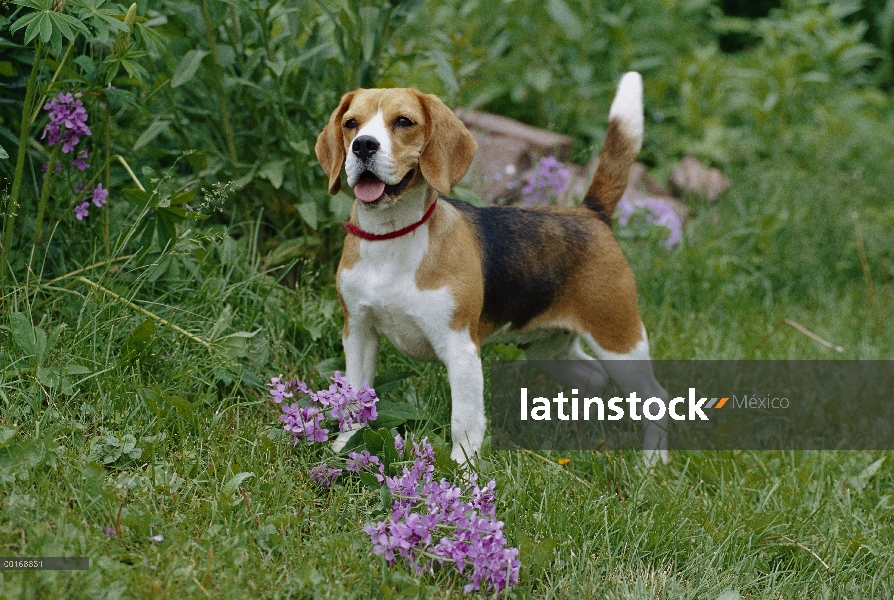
393	140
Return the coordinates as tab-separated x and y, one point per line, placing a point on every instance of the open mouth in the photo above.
370	188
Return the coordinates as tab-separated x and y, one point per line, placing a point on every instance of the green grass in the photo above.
769	524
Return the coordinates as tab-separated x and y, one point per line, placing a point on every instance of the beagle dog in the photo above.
439	277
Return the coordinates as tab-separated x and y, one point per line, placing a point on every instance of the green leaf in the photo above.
387	422
94	475
399	410
86	63
862	480
288	251
388	381
233	484
369	480
181	405
328	367
35	4
138	339
32	340
46	28
136	196
565	18
308	212
273	171
6	435
150	134
340	206
374	442
301	147
101	18
3	154
187	68
33	22
53	378
543	552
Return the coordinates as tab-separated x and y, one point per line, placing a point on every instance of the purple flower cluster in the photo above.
100	197
659	212
304	422
324	475
346	405
437	522
359	461
68	124
548	181
79	161
68	121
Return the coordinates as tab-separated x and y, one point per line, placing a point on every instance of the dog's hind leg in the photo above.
632	372
584	373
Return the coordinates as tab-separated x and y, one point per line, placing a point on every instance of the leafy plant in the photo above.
111	448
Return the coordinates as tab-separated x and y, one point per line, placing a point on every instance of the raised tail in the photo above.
622	144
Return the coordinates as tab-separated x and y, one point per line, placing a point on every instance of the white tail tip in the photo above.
627	107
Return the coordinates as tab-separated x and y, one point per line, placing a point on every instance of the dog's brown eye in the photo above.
351	124
403	122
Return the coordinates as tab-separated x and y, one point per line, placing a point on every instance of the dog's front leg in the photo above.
361	345
467	423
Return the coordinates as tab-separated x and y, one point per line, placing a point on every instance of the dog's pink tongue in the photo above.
369	190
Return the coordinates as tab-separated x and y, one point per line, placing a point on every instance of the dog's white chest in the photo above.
382	288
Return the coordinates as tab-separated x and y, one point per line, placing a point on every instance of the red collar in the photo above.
354	230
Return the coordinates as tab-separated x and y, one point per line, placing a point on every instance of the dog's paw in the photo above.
462	456
651	457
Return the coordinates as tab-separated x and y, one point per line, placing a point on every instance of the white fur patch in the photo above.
409	209
627	107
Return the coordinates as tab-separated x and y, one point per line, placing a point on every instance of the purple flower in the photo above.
659	212
343	403
79	161
108	531
437	522
81	211
68	121
548	181
348	406
157	538
324	476
278	389
46	165
358	461
304	422
100	196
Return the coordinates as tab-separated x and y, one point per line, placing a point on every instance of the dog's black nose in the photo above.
364	147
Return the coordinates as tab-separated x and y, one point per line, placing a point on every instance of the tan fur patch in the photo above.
350	256
611	176
453	260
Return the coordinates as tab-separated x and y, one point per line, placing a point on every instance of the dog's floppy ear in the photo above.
449	147
330	147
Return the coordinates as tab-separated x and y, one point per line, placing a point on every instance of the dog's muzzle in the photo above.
369	188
